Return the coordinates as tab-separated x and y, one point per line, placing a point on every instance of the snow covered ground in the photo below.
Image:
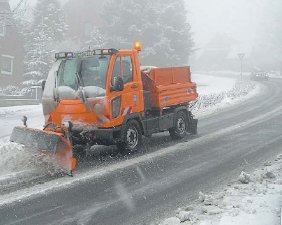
11	117
275	75
254	199
18	166
207	84
216	93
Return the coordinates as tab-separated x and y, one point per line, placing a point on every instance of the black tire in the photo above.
131	137
179	130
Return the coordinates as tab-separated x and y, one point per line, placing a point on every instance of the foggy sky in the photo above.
239	19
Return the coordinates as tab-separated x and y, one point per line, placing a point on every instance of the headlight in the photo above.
116	107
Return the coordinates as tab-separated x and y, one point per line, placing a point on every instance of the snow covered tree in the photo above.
49	15
37	57
95	40
47	29
160	25
176	30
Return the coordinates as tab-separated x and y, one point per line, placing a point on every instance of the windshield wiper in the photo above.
80	85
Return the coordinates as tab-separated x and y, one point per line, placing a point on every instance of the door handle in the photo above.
134	86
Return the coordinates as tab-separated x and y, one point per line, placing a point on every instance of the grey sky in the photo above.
239	19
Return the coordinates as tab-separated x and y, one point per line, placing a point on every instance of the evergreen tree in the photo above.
42	36
49	15
95	40
160	25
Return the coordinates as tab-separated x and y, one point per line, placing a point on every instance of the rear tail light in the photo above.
116	102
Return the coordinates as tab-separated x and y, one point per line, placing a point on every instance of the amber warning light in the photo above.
137	46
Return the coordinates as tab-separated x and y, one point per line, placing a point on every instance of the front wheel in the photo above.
131	137
179	130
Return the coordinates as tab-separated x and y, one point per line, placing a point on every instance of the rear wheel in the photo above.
179	130
131	137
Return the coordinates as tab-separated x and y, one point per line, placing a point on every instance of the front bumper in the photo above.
102	136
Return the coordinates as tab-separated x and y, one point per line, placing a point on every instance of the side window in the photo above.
127	69
117	68
123	68
67	67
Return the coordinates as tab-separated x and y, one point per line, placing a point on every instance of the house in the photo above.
11	48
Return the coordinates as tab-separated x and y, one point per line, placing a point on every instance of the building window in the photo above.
7	64
2	29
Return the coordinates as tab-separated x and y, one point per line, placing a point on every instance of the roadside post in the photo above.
241	57
36	92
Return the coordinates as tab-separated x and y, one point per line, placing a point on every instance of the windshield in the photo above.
91	70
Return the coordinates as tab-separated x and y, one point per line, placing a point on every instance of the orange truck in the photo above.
103	97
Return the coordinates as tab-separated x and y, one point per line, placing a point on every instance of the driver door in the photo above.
130	96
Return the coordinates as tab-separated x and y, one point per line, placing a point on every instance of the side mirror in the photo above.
118	84
43	85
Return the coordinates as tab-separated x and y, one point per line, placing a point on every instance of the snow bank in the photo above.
15	158
244	178
19	110
207	104
256	202
11	117
20	167
212	85
171	221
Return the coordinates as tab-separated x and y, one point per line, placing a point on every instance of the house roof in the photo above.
4	6
6	15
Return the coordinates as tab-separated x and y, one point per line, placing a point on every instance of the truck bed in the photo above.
169	86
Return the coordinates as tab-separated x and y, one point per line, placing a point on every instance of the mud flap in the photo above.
193	126
53	144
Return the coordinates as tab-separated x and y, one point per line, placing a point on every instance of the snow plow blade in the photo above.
50	143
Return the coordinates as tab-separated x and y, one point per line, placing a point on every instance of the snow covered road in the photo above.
11	117
147	185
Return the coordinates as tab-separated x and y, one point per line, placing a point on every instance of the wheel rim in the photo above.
132	137
181	125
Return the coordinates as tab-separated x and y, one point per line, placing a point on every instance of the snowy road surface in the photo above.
145	186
